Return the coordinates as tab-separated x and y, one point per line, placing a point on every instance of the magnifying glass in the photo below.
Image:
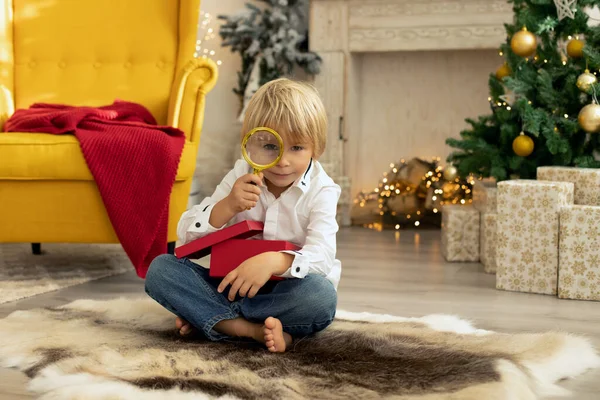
262	148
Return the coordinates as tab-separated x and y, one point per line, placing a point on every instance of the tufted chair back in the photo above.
91	52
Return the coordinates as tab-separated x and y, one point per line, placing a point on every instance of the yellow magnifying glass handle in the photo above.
256	172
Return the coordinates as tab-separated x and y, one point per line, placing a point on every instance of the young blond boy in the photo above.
297	202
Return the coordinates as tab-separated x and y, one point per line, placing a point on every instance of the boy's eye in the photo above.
297	148
270	147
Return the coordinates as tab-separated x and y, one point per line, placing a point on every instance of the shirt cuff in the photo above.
299	268
201	223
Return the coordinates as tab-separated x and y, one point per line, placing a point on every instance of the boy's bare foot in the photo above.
271	333
183	326
276	339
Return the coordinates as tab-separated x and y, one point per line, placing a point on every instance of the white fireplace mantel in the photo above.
340	30
400	25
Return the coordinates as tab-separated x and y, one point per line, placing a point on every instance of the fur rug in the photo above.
23	274
128	349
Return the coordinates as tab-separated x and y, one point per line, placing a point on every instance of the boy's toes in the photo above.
275	338
185	329
270	323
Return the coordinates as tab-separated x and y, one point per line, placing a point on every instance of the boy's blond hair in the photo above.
291	108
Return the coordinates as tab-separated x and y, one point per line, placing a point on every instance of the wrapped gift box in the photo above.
579	253
527	235
202	247
485	194
367	213
586	181
460	233
231	246
488	242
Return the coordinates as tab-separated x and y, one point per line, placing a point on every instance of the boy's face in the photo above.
294	162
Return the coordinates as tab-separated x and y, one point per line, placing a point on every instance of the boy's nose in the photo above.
283	162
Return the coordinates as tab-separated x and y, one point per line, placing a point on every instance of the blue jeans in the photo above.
304	306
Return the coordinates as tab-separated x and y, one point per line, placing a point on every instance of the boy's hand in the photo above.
244	193
252	274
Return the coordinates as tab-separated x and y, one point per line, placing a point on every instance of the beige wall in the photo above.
411	102
220	132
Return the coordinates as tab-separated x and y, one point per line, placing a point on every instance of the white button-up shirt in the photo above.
303	215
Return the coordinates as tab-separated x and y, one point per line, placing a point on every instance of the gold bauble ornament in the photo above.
585	80
575	48
589	118
450	173
523	43
523	145
503	71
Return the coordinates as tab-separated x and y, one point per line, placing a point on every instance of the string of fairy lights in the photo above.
411	194
206	33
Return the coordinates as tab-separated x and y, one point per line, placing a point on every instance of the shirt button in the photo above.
297	269
198	224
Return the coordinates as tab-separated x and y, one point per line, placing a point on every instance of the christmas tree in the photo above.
543	99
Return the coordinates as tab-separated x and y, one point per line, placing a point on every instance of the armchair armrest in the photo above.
186	106
7	107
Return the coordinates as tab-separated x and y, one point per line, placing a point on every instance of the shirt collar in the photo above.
304	181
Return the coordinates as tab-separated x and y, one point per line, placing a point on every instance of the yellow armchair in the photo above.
91	52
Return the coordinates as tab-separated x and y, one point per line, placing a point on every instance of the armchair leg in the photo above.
36	248
171	247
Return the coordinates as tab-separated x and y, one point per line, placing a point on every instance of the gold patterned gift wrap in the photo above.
586	180
579	259
488	242
485	195
527	236
460	233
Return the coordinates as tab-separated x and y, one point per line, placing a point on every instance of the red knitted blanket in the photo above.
133	161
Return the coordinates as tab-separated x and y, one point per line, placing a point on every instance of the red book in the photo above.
231	246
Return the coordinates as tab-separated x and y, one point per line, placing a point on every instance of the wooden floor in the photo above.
400	273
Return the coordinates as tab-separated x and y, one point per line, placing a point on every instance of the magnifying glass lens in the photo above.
262	148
